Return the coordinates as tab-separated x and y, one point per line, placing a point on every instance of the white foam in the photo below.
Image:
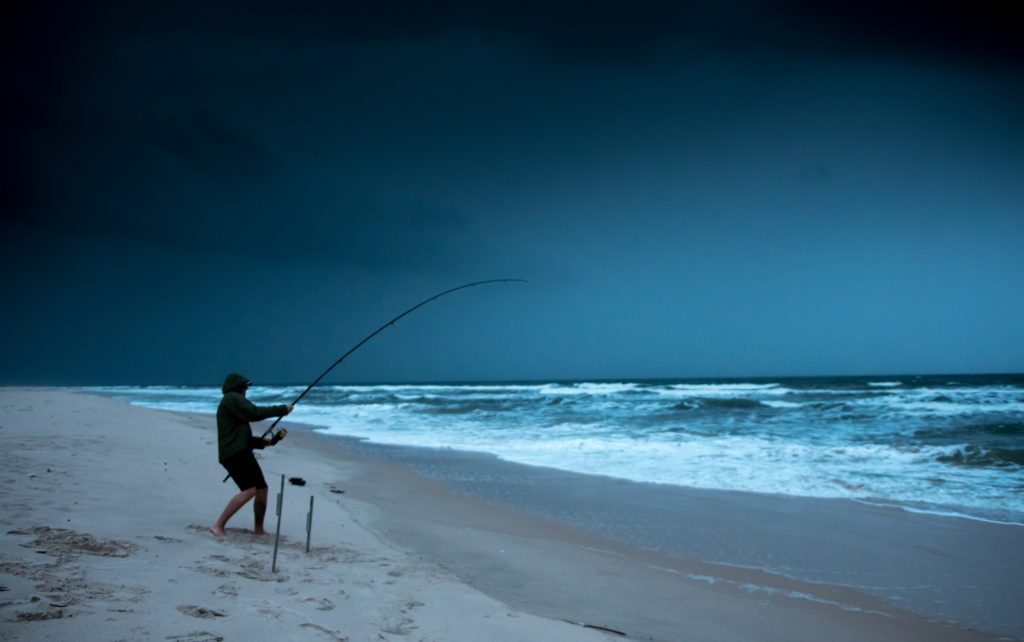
723	390
940	512
183	392
435	388
773	403
708	579
801	595
947	401
600	389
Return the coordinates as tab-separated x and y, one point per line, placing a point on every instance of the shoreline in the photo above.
944	568
398	555
939	447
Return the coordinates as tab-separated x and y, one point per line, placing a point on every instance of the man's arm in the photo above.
249	411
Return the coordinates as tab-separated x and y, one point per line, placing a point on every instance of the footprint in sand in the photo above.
196	636
35	616
199	611
255	570
211	570
334	635
228	590
322	603
62	542
405	627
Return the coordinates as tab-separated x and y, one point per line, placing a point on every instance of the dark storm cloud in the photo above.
206	143
988	29
698	188
598	28
985	34
112	139
982	33
131	118
195	183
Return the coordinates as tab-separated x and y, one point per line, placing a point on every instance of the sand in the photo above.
105	515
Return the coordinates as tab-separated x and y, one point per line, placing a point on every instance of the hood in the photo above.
234	382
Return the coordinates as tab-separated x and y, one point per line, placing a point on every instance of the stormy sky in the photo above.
692	189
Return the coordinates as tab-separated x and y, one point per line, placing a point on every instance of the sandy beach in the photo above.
106	509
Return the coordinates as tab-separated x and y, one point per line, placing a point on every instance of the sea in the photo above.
949	445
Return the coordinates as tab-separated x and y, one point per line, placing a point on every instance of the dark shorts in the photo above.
245	470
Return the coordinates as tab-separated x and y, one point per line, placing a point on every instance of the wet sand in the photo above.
950	569
106	508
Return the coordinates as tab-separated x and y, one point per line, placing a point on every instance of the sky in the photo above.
691	189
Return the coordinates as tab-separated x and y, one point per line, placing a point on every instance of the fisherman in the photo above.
235	444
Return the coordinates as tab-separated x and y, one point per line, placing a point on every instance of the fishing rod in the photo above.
378	331
278	437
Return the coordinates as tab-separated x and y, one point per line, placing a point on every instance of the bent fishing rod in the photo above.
371	336
378	331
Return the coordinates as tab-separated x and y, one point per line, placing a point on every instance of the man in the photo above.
235	443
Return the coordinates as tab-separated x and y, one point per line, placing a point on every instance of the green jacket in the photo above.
233	417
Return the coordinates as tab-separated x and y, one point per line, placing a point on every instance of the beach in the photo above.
106	509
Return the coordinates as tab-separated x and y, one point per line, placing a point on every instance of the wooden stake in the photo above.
309	522
277	535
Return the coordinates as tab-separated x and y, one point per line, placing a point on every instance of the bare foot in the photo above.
217	531
259	531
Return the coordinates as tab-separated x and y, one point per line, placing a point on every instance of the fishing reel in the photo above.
278	436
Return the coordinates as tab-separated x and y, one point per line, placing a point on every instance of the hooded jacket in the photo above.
234	433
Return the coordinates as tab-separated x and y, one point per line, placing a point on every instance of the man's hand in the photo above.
289	411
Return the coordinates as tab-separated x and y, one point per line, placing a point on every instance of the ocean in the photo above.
949	445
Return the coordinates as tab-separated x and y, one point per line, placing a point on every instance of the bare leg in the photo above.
260	509
234	504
